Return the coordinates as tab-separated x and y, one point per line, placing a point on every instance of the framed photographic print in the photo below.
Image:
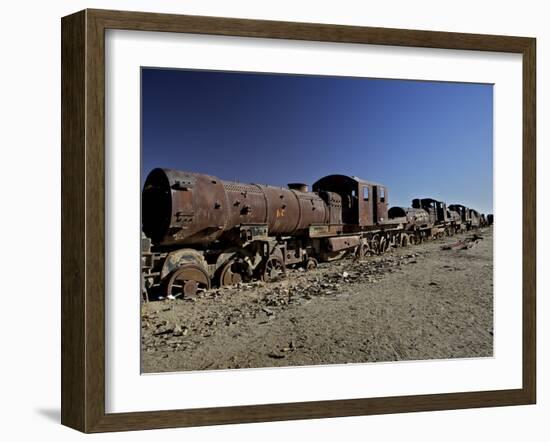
270	220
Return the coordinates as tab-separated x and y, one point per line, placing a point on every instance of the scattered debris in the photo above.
329	280
163	329
180	331
289	348
463	244
278	323
276	355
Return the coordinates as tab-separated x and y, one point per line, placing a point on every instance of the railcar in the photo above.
199	230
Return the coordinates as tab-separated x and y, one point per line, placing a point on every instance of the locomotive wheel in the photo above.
383	246
273	269
404	240
229	274
187	280
413	239
311	264
361	251
375	244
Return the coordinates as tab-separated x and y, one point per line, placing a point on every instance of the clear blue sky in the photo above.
419	138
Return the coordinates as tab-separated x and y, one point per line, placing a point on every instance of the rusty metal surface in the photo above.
380	203
177	258
182	207
321	231
409	216
454	216
333	202
463	211
337	243
437	210
362	204
475	218
187	208
399	214
483	220
284	211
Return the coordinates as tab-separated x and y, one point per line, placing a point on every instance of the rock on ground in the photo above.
412	303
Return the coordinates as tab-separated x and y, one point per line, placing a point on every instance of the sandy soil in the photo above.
412	303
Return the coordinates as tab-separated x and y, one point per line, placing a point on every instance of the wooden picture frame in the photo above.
83	216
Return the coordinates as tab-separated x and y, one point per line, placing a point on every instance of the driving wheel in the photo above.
187	280
273	269
230	274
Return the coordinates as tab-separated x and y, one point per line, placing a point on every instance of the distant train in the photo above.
200	231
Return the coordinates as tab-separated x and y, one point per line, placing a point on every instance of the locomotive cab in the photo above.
463	211
437	210
363	203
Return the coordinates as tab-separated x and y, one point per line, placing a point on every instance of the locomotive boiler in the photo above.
182	208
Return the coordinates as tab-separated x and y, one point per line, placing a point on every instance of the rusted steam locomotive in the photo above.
201	231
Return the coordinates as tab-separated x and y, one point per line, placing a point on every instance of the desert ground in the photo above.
413	303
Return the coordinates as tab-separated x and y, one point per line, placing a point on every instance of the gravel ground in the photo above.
413	303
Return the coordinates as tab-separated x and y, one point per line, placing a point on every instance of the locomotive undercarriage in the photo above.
184	272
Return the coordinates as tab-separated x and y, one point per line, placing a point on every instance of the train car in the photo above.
454	217
444	221
364	212
483	220
200	231
413	219
464	213
475	219
427	218
437	210
205	231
